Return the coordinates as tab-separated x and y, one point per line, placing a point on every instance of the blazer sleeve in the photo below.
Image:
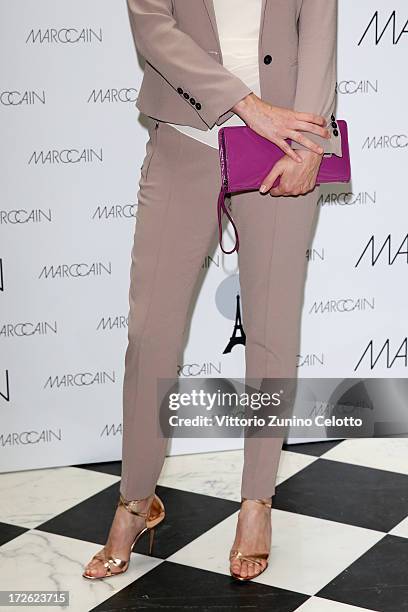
181	61
317	68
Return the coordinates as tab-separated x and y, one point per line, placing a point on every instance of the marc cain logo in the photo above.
386	250
378	30
310	360
21	216
347	198
27	328
115	211
76	270
19	438
65	36
111	96
351	87
19	98
207	368
342	305
388	355
111	430
315	254
395	141
80	379
66	156
112	322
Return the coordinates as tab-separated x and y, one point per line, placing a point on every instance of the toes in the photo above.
237	567
244	569
252	571
92	571
247	569
95	568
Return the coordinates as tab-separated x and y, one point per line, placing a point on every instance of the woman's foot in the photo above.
252	538
123	531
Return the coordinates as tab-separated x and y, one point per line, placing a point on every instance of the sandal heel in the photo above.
151	538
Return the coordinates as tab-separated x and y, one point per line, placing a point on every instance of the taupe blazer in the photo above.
186	83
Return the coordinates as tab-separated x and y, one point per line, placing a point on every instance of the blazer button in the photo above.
267	59
179	90
192	101
198	106
334	124
185	94
333	118
335	132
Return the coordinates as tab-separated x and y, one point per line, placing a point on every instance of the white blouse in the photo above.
238	23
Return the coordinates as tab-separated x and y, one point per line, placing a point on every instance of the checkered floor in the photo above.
339	543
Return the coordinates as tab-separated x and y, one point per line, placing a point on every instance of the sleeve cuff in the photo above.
331	145
220	109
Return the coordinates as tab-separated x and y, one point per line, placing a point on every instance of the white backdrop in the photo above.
71	150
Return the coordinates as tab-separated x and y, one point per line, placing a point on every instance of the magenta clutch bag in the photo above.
246	158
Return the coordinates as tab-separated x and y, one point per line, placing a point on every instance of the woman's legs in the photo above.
275	233
176	223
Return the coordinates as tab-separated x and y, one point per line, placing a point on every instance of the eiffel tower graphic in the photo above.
236	339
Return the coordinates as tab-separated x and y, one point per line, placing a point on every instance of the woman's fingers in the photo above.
278	124
269	180
286	148
277	191
310	118
306	142
313	128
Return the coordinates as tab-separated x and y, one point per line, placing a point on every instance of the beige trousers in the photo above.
176	229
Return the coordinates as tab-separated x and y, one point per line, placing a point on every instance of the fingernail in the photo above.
263	189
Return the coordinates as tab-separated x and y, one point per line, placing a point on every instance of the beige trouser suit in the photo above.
177	228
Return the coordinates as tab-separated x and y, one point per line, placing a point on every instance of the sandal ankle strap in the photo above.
259	501
129	505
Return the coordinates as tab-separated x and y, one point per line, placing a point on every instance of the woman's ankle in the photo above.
259	500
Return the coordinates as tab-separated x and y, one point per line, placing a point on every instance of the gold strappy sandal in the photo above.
153	517
253	557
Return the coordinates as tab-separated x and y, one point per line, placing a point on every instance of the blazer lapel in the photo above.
209	5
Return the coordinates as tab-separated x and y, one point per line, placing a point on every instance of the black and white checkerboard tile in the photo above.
339	544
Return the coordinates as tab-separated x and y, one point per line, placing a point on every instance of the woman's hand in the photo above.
295	179
277	123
